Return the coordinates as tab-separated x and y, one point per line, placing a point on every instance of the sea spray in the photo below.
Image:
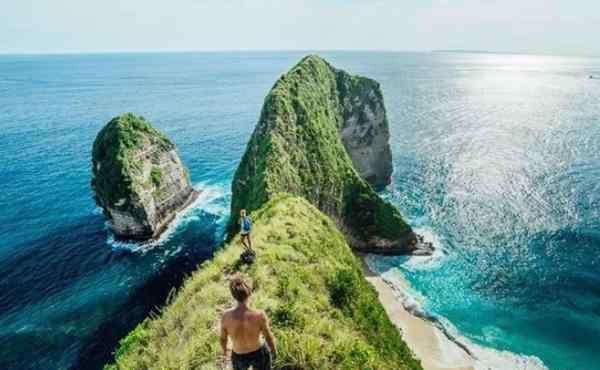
418	262
211	199
486	358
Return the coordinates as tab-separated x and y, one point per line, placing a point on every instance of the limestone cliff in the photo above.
365	129
138	178
298	148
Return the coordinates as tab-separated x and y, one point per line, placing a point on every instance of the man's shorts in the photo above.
259	360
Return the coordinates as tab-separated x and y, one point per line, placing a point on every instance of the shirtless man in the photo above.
245	325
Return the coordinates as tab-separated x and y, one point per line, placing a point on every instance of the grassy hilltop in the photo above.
325	315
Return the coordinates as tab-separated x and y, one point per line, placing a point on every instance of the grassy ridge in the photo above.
324	313
296	148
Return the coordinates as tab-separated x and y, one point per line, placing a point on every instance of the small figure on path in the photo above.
244	326
245	227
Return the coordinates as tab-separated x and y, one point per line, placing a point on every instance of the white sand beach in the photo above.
432	345
428	342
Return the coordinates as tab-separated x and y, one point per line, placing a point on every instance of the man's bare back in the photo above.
244	326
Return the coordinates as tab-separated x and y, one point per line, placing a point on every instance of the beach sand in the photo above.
429	344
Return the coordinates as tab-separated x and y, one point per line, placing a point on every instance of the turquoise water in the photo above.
496	158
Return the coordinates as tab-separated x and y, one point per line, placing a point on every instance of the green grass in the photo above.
324	314
296	148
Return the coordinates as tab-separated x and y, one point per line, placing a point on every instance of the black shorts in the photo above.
259	360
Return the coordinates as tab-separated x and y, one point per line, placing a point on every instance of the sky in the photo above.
523	26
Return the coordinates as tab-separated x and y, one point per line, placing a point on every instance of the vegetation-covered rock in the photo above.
324	314
298	147
138	178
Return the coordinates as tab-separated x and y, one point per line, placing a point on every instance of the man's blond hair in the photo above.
240	287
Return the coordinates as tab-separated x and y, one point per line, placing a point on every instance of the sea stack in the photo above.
323	135
139	180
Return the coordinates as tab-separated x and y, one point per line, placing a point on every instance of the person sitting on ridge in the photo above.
245	325
245	227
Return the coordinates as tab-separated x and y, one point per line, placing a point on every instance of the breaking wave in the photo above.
212	199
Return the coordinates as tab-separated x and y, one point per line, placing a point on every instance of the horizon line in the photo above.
241	50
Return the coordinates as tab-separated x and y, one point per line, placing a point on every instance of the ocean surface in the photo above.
496	157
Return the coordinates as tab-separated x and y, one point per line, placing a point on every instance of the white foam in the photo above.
450	340
485	358
410	299
433	261
208	200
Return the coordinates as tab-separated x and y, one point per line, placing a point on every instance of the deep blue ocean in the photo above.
496	157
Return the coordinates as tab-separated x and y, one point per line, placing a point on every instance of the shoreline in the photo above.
428	342
431	342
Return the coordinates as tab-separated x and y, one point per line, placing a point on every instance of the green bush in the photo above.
287	315
343	288
360	356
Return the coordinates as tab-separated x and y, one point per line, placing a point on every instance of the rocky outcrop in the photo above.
365	129
138	179
298	148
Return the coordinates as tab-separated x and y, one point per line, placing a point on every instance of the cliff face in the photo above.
298	148
138	178
365	129
323	312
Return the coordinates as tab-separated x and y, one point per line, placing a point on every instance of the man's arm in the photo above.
266	331
224	336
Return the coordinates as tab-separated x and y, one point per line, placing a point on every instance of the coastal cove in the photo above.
495	162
